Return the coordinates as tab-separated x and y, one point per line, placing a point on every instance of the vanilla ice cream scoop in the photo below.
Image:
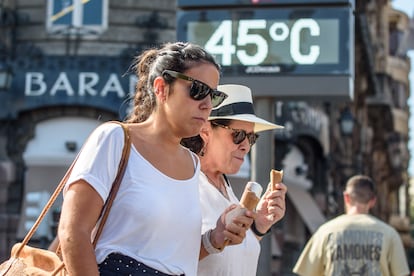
249	200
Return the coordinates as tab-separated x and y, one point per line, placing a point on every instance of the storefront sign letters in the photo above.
87	83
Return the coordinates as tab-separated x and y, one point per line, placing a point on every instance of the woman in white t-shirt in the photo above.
154	225
221	146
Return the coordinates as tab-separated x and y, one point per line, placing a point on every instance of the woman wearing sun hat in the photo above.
221	146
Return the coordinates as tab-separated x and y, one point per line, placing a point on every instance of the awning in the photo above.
306	206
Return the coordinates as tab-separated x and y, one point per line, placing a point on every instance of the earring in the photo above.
203	151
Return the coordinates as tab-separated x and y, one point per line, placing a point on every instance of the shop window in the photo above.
77	17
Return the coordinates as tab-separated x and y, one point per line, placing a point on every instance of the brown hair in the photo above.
360	188
178	56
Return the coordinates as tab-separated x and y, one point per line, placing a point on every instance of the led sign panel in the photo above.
273	41
290	52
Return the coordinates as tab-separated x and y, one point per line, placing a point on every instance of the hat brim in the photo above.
259	124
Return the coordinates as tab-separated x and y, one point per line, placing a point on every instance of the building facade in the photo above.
69	66
69	73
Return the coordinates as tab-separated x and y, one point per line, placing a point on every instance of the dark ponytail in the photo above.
150	64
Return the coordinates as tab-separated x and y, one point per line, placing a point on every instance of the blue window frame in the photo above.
83	17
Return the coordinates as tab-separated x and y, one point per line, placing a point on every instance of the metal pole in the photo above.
262	163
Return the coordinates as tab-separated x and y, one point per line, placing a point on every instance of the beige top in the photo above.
353	245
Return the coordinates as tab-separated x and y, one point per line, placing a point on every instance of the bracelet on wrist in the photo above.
208	246
256	232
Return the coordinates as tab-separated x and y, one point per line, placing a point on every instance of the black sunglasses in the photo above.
199	90
239	134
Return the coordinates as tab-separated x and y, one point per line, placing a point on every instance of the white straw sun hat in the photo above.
239	106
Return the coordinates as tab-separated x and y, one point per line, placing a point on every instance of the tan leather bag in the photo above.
26	260
32	261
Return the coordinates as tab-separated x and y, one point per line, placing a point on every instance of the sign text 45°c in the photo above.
294	39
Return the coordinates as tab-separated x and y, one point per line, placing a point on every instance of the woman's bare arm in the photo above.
80	211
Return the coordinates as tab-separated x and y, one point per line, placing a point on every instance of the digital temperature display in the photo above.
273	40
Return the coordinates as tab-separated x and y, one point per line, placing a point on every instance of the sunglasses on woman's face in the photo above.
239	134
198	89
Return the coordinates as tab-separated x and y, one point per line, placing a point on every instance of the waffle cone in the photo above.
275	177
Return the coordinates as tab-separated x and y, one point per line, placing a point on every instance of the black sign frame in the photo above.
238	3
306	82
340	14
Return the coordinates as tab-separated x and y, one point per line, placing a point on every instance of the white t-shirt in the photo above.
154	219
234	260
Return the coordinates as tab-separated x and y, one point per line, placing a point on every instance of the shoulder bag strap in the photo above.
59	188
117	182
